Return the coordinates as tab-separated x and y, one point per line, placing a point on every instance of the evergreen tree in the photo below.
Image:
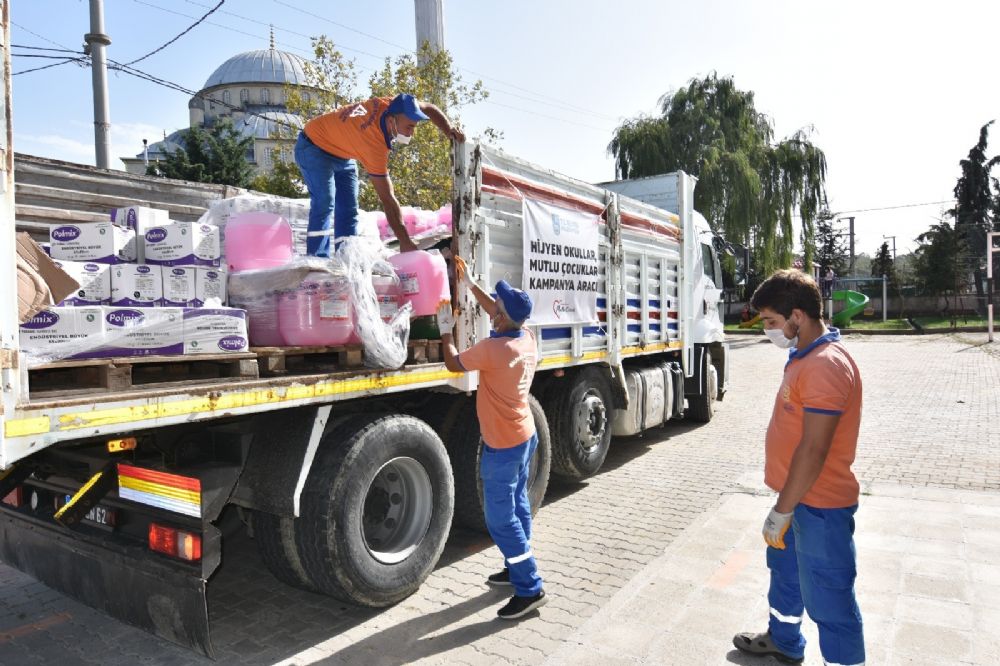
975	209
830	250
749	186
218	155
939	261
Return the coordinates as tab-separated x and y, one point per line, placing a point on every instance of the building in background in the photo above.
248	89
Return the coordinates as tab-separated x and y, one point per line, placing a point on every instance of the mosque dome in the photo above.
263	66
265	125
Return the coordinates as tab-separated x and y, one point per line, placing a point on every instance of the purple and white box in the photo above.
94	280
179	284
136	285
210	285
215	331
62	332
142	332
139	219
100	242
183	244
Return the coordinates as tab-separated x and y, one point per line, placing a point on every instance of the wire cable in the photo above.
913	205
81	61
181	34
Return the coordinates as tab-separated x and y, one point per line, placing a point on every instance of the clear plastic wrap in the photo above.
385	343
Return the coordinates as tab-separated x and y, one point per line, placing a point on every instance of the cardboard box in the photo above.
139	219
142	332
62	332
215	331
210	283
101	242
136	285
39	281
183	244
94	280
179	284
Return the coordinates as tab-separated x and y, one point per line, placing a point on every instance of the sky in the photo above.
894	95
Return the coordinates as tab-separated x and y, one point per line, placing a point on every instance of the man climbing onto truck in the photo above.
506	363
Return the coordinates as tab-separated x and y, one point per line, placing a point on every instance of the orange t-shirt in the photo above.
355	132
824	380
506	367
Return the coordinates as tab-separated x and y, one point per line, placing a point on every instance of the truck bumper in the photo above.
125	581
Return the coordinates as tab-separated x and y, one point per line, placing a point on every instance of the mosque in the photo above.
248	89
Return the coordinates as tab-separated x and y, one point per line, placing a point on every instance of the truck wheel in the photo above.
460	432
579	412
701	407
275	537
376	509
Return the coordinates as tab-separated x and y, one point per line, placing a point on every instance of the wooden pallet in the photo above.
311	360
107	375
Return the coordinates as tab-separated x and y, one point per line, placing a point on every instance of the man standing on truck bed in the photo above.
326	152
810	446
506	363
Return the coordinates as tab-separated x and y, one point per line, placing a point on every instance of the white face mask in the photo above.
777	336
399	139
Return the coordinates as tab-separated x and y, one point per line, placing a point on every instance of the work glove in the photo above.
775	526
445	318
462	271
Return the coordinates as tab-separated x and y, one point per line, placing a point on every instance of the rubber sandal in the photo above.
761	645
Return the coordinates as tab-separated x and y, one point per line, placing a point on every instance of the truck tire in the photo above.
579	412
376	509
701	407
275	537
460	432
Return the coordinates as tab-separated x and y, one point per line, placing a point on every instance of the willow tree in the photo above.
421	171
750	187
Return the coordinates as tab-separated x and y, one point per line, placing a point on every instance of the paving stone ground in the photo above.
931	421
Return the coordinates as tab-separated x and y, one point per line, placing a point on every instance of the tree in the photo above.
882	264
830	252
284	179
939	261
421	172
214	156
749	186
976	207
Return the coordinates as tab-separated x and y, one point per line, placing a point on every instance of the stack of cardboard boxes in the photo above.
147	285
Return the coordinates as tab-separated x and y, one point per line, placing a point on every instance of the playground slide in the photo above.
854	302
751	323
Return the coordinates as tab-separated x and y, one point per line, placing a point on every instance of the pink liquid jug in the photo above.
387	293
318	313
262	321
444	217
423	278
257	240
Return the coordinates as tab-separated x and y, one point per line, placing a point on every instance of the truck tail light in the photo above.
15	498
174	542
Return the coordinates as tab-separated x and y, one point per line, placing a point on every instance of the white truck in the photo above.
113	492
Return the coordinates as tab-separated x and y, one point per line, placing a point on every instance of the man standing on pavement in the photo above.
326	152
810	446
506	363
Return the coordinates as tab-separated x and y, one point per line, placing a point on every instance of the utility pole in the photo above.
893	247
430	24
97	41
851	232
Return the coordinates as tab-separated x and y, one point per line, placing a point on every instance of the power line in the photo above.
44	39
81	61
181	34
42	48
913	205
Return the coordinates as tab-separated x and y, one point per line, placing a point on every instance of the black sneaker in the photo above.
521	606
500	579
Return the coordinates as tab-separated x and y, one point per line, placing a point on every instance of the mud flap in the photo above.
126	582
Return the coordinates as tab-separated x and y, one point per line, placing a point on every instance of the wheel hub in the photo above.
397	510
592	421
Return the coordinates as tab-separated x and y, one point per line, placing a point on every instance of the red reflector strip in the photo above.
164	478
15	498
175	543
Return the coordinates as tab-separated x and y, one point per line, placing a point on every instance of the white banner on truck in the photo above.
560	263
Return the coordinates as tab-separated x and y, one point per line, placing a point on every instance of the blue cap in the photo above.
407	105
516	303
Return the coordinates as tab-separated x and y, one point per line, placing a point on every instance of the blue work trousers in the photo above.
508	511
333	188
816	572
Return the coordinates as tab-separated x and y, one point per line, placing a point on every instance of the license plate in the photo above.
100	515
